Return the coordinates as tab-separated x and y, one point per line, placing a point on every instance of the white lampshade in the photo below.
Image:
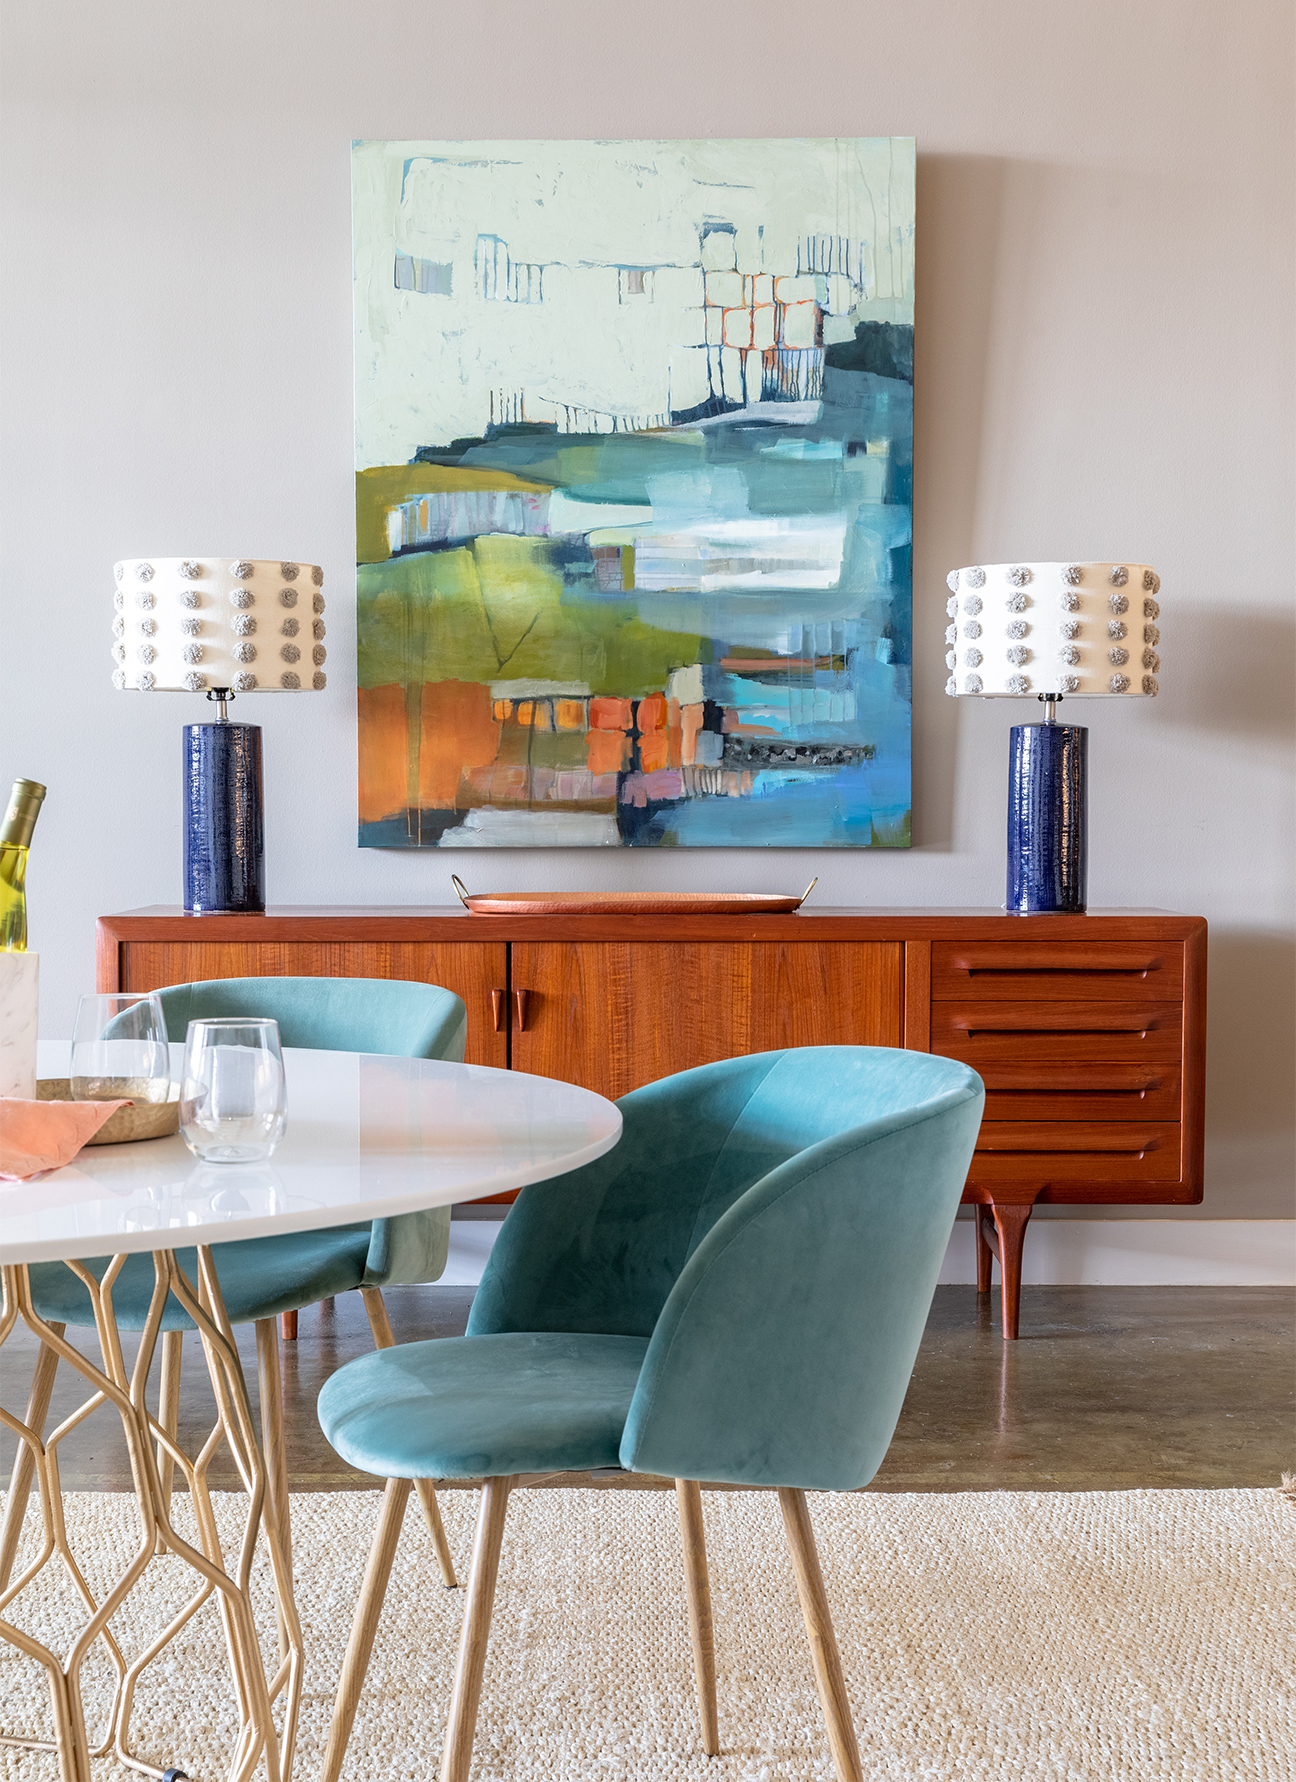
1061	628
183	624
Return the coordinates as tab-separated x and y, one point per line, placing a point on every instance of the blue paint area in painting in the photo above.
838	812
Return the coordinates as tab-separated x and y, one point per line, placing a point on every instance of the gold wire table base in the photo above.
154	1454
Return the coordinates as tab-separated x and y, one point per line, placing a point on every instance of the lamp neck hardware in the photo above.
221	695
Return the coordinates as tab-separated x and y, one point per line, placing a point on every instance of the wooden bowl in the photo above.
141	1120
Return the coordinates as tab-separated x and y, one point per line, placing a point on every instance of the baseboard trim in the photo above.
1142	1253
1059	1253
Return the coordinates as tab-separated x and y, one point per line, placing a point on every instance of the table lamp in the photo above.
1051	630
220	625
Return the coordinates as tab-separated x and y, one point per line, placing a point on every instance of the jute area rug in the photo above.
1087	1637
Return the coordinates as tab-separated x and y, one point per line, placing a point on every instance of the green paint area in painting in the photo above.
497	610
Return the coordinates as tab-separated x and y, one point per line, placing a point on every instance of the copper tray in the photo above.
137	1120
629	903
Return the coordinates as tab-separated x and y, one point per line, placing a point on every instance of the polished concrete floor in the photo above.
1110	1388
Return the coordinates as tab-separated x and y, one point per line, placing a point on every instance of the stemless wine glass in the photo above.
233	1099
119	1049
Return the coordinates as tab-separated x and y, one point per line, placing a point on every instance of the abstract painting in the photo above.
634	431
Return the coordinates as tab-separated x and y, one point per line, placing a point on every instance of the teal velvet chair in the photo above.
736	1293
265	1278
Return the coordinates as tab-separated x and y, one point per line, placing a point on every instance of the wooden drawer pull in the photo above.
520	1000
1051	1032
497	1010
1139	1148
1014	973
1052	957
1043	1086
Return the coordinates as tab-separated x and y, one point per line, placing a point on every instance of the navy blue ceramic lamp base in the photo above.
224	829
1048	799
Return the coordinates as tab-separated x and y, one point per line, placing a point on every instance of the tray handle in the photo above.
458	884
809	888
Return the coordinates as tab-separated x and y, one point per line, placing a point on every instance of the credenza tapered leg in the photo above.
1010	1229
984	1254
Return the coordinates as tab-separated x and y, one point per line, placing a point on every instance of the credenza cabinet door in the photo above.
613	1016
472	970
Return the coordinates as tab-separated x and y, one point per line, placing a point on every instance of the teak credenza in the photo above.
1089	1031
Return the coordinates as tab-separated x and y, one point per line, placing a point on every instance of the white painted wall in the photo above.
1105	360
1071	1252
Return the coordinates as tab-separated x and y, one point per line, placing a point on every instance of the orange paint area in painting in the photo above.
382	752
654	753
690	724
414	744
651	713
651	717
674	734
609	713
607	751
448	745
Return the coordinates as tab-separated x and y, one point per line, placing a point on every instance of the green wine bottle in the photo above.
15	839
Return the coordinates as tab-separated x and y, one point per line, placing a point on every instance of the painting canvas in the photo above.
634	429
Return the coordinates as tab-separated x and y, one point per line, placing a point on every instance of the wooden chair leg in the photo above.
1010	1229
688	1496
24	1467
984	1254
365	1625
456	1758
819	1632
168	1417
288	1326
380	1325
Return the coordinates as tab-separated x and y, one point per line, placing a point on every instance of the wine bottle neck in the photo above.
20	818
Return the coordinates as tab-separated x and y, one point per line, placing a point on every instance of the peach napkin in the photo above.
41	1135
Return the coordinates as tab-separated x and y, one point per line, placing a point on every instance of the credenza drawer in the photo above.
1078	1033
1080	1152
1068	1061
1033	1090
1079	971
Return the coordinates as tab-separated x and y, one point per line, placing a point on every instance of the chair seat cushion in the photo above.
259	1278
478	1407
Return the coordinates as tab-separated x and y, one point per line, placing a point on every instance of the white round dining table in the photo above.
367	1137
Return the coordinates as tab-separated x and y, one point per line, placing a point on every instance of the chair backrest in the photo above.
388	1015
776	1226
403	1020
